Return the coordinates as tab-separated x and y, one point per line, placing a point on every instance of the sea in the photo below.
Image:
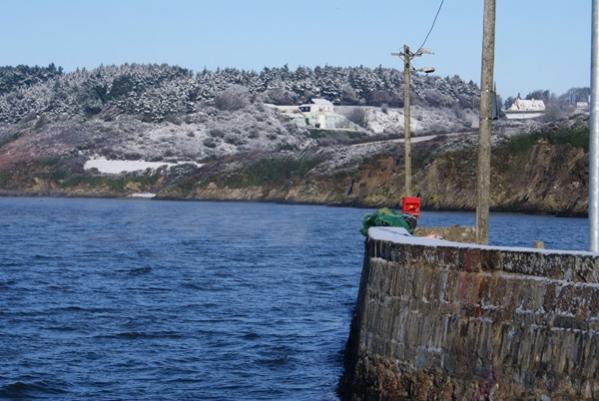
108	299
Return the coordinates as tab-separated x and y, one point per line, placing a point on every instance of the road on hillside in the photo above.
415	139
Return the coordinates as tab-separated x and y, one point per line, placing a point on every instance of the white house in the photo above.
318	114
317	105
523	109
582	107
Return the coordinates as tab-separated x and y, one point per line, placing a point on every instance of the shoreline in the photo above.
355	205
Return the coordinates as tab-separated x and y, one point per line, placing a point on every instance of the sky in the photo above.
540	44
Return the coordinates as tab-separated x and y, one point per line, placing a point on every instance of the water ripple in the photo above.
134	300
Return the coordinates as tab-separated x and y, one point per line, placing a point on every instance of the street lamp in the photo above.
426	70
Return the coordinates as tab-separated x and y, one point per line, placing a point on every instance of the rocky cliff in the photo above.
545	171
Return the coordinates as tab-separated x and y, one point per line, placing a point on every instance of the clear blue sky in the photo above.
540	43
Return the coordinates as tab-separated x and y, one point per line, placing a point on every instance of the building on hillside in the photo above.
523	109
318	114
318	105
582	108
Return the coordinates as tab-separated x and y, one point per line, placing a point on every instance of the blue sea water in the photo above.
150	300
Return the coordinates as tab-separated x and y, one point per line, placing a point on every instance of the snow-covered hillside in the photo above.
157	92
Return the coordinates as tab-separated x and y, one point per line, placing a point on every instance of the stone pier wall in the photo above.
437	320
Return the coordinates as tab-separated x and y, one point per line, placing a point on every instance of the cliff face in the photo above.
546	178
549	178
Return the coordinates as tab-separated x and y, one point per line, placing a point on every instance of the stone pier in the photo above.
439	320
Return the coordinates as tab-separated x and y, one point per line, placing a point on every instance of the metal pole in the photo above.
483	182
407	116
594	136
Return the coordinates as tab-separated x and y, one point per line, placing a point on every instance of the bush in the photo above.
41	121
233	98
217	133
382	96
174	119
280	96
436	98
92	106
554	112
575	136
233	139
458	112
210	143
121	86
278	170
358	116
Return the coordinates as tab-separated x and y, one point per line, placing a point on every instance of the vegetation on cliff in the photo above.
542	172
51	123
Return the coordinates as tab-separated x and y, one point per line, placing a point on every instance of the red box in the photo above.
411	205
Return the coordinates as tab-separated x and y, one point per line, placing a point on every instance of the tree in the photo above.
541	94
357	115
280	96
235	97
508	102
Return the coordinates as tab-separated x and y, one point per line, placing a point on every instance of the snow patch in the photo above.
399	235
143	195
106	166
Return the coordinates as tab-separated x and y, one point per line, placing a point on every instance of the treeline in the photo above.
154	92
21	76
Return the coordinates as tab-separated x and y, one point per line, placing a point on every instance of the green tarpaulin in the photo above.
390	218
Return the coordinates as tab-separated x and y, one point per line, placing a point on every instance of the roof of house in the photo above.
527	105
321	102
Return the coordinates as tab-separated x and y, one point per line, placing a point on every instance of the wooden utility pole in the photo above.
407	58
484	142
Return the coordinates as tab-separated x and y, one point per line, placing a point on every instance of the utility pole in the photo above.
594	135
407	57
483	182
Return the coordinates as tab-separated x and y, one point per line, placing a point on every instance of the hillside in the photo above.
216	139
161	112
155	92
544	171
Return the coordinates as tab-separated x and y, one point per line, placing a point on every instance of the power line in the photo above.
432	25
